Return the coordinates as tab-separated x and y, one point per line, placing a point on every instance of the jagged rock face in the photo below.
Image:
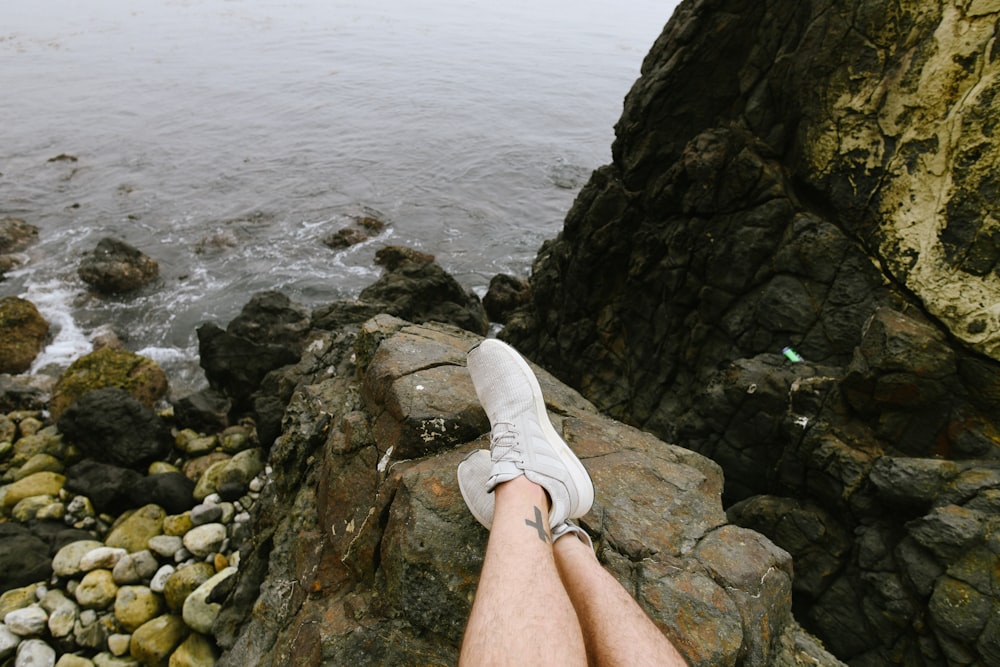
364	553
819	175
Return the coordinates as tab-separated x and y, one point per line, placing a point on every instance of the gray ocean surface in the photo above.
226	138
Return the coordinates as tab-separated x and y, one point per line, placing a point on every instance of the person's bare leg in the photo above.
521	615
616	629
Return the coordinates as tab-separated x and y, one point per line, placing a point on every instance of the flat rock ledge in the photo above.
364	553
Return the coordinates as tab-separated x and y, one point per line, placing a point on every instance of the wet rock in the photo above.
23	332
505	294
362	228
114	267
110	426
16	235
139	376
416	288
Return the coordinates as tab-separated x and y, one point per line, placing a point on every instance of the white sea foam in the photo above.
54	301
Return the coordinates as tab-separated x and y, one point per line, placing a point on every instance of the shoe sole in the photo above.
578	473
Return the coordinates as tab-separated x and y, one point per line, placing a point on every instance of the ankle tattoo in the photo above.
538	525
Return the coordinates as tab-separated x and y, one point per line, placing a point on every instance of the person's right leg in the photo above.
521	615
615	628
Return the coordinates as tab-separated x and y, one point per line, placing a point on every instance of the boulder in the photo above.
24	557
109	487
110	426
23	332
386	556
115	267
414	287
505	294
139	376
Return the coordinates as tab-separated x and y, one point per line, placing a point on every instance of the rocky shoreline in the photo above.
303	509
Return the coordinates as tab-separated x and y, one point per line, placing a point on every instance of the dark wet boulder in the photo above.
111	426
505	294
115	267
205	411
414	287
109	487
24	557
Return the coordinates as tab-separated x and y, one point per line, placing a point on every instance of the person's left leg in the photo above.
522	614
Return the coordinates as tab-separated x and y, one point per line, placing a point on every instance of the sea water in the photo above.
226	138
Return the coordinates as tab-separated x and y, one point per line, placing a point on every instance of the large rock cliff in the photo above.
821	176
362	551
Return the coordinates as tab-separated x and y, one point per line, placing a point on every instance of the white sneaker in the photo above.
523	440
473	475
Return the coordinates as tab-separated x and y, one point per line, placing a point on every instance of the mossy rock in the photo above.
141	377
23	332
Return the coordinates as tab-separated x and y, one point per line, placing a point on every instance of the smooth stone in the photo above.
210	480
70	660
29	508
176	525
62	612
204	540
38	484
17	598
108	659
185	580
136	605
35	653
104	558
154	641
62	620
52	512
8	642
29	621
161	467
166	545
199	446
67	560
133	533
97	589
159	581
205	513
40	462
195	651
135	568
118	644
198	612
